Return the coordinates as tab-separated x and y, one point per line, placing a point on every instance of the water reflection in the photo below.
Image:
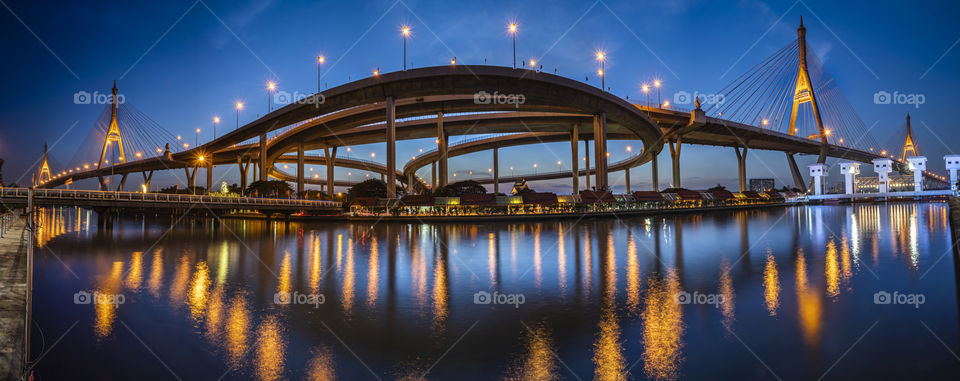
401	295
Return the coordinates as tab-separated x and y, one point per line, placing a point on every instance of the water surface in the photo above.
792	291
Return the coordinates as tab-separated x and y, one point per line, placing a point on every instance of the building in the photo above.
761	185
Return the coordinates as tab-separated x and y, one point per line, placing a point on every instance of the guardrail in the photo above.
76	194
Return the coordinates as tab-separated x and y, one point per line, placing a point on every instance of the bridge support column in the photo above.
391	149
795	171
442	149
655	174
433	175
123	181
953	164
300	170
210	177
496	170
600	142
575	159
918	164
263	157
850	171
626	175
191	177
146	181
411	177
818	172
675	158
586	159
331	154
742	166
882	167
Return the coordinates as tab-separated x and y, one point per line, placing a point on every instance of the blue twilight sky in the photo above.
182	62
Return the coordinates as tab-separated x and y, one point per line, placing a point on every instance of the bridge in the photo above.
787	103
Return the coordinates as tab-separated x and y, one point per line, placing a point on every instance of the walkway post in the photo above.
575	159
391	149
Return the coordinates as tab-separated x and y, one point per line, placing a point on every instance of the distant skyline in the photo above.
182	63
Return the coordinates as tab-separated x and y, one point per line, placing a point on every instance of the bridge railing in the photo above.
77	194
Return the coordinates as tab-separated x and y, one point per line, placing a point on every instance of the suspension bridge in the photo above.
788	102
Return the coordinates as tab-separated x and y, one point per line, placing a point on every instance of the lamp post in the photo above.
646	91
216	121
513	31
196	138
405	32
656	84
320	61
239	107
270	88
602	57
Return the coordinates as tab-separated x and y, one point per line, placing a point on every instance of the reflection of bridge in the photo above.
437	102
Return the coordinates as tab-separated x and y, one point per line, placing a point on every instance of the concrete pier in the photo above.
13	287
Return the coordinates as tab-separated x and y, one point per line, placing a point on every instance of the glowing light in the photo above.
201	158
321	59
601	56
405	30
827	132
271	86
645	88
453	61
656	83
373	154
239	107
599	72
512	28
198	130
376	72
629	149
765	122
533	62
138	154
216	119
666	103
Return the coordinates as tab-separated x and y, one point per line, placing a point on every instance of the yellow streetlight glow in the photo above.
239	105
645	88
827	132
666	103
601	56
271	86
629	149
376	72
533	62
321	59
198	130
138	154
453	61
512	27
200	158
373	154
656	83
216	119
764	122
599	72
405	30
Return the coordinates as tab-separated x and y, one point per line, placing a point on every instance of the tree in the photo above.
717	188
460	188
369	188
269	188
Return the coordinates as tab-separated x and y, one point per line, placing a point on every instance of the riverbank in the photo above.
554	216
13	287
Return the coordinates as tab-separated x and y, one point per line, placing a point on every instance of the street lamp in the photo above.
405	32
602	57
239	107
270	88
196	138
513	31
320	61
646	90
216	121
534	168
656	84
559	165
